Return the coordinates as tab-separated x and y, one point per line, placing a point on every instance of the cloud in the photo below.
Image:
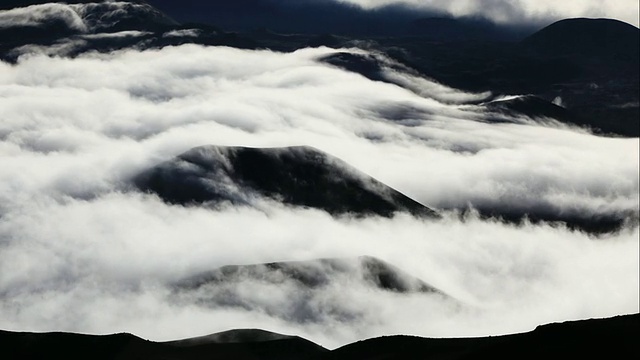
115	277
80	250
90	17
517	11
38	15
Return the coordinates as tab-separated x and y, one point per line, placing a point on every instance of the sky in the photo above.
82	250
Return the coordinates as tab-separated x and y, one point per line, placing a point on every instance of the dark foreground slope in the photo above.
254	345
612	338
298	176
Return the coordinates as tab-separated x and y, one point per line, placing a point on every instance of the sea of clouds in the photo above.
81	250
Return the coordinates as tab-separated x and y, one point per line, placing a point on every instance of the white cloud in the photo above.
508	278
89	17
81	251
518	11
183	33
37	15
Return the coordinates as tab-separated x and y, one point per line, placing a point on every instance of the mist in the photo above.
82	250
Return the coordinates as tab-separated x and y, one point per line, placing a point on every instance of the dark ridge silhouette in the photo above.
232	336
253	346
613	338
314	274
587	37
610	338
299	176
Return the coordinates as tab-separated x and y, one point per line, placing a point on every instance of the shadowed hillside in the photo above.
299	176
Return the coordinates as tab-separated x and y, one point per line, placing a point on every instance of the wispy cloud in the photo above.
38	15
89	17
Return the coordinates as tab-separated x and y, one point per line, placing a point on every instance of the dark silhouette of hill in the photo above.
609	338
232	336
608	53
299	176
250	345
612	338
587	37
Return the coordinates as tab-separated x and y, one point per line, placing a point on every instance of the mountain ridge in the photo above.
612	337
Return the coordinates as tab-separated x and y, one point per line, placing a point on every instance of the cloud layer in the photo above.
519	11
81	250
82	18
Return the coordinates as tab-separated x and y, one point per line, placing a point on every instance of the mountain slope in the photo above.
299	176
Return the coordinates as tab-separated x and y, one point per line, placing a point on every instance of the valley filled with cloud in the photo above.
83	250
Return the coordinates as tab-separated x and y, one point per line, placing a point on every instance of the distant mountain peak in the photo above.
585	36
